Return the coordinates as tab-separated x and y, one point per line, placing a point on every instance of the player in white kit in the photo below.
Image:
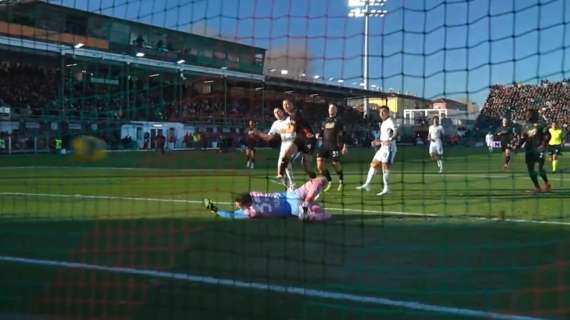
435	137
384	157
490	141
283	128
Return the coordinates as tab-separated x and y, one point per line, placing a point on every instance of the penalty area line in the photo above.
301	291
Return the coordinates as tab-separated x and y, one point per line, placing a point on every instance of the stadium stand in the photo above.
512	101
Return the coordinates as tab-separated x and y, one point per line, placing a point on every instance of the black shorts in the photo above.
532	157
506	146
329	153
305	146
250	147
555	149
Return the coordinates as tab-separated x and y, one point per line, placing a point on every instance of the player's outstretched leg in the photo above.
248	158
533	175
307	160
508	158
313	212
554	158
542	173
323	171
282	177
327	175
311	190
290	178
371	173
283	165
385	179
338	169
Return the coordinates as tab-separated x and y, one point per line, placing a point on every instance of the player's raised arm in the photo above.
240	213
267	137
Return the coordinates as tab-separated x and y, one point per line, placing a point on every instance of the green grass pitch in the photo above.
473	238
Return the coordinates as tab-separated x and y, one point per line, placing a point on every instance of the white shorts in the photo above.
386	154
284	147
436	147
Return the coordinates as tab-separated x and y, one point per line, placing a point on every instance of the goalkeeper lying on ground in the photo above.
298	203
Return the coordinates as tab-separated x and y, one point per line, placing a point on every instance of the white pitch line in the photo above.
472	173
123	168
305	292
442	175
394	213
96	197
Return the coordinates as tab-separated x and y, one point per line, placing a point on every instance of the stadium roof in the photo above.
317	87
87	13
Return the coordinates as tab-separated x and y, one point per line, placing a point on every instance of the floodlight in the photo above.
356	3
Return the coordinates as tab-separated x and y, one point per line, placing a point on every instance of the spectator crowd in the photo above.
552	99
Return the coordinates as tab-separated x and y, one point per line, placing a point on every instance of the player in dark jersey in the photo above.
333	145
250	141
534	139
506	134
304	141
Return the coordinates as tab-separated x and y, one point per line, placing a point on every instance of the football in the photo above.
89	149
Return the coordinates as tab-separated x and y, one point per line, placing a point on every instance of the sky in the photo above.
429	48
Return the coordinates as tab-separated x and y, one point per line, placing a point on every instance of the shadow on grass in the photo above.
349	254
